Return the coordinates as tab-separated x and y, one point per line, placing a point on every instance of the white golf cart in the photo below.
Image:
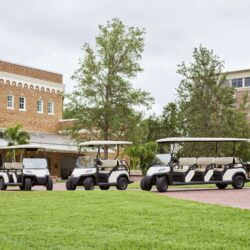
221	171
30	170
90	172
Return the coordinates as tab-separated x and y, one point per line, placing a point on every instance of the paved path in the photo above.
228	197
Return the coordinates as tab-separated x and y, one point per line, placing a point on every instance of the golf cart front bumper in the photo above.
41	180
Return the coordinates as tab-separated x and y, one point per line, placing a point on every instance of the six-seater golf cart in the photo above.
167	170
31	169
90	172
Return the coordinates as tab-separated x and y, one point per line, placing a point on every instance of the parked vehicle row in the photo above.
28	167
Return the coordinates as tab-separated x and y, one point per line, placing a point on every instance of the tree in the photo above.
206	102
14	136
142	155
104	99
170	122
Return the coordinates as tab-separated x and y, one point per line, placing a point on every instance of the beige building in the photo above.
240	80
33	98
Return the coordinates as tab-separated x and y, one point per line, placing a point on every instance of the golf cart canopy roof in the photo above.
25	146
100	143
200	139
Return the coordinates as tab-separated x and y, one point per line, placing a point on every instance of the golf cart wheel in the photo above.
102	187
145	184
221	186
21	187
88	183
2	185
162	184
238	182
27	184
122	183
69	185
49	184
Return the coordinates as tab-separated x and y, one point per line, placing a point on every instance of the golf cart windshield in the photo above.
162	159
34	163
85	162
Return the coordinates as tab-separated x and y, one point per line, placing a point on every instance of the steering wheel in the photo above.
174	161
98	162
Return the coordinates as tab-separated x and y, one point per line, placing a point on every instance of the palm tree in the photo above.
14	136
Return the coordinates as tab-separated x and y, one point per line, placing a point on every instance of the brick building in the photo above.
240	80
33	98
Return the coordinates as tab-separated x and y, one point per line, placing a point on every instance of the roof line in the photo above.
23	65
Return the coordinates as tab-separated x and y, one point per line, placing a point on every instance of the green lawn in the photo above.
117	220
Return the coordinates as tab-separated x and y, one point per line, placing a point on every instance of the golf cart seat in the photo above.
109	163
13	165
203	163
107	166
184	164
221	162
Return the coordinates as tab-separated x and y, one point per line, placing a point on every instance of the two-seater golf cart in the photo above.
31	169
221	171
90	172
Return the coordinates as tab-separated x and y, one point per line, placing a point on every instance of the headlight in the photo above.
161	170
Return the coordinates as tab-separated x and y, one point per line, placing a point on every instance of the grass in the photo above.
117	220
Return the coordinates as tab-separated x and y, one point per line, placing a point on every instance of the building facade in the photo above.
33	98
240	80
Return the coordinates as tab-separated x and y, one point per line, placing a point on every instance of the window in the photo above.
22	104
39	106
247	82
10	102
237	83
50	108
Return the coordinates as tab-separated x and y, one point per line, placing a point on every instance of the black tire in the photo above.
162	184
145	184
221	185
122	183
88	183
238	182
21	187
27	184
49	184
2	185
69	185
104	187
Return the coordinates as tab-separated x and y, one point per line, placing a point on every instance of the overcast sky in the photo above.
48	34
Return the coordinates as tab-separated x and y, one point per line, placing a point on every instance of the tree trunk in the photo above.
106	138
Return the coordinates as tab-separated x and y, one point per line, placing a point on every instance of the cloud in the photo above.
49	34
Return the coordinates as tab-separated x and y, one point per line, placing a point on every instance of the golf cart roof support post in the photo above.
172	152
118	151
234	149
216	148
98	152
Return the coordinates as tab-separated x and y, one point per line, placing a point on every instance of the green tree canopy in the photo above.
104	100
15	136
206	102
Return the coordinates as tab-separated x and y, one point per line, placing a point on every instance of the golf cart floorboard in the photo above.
13	184
204	182
110	184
